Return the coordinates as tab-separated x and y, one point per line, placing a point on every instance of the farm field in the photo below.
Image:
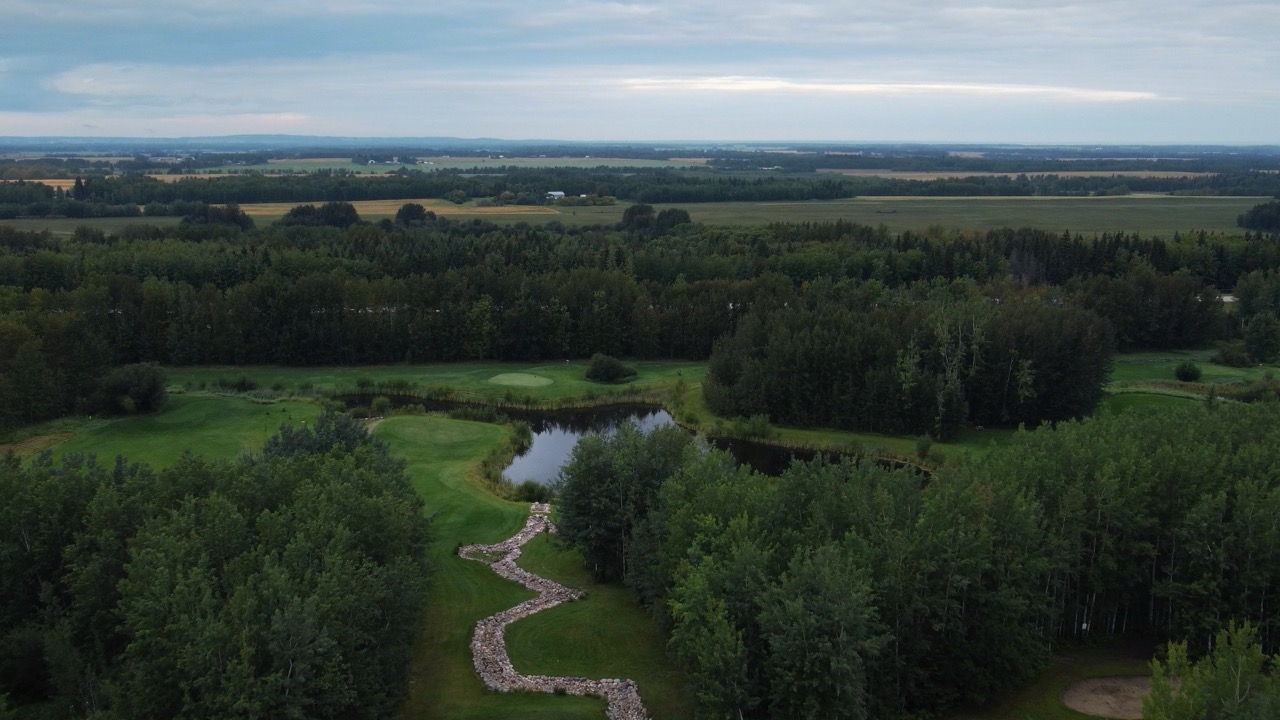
947	174
66	227
1148	215
379	209
456	162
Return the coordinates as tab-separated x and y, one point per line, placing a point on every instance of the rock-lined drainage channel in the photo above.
489	645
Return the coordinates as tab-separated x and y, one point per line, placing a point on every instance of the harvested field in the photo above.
387	208
64	183
952	174
1108	697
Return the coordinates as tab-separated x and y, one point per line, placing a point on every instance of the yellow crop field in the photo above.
388	208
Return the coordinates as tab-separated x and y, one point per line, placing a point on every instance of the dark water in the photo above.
556	433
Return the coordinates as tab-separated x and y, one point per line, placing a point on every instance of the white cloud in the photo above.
775	85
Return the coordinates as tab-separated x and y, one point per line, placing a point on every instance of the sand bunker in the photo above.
521	380
1109	697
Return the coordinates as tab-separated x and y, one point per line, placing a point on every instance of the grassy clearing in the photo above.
1158	367
66	227
211	426
473	379
1042	699
441	456
605	635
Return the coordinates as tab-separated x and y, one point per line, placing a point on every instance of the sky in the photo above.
1023	72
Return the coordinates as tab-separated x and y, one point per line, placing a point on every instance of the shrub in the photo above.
1232	355
604	368
132	388
1187	371
380	406
756	426
532	491
924	443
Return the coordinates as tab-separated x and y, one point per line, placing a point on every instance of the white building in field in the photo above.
555	195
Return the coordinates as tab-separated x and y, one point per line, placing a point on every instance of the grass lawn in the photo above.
545	382
1155	367
441	455
215	427
606	635
1042	699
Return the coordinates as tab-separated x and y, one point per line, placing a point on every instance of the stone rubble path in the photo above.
489	646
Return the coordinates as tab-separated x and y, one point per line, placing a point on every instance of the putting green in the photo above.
521	380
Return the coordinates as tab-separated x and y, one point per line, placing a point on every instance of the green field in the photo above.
1157	367
210	426
1148	215
543	383
66	227
450	163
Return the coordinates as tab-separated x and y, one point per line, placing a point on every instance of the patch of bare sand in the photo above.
1108	697
34	444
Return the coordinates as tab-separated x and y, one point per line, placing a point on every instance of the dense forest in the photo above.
935	312
288	584
858	591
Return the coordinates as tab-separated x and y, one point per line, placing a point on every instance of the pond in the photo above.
555	433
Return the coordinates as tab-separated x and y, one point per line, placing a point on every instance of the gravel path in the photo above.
488	644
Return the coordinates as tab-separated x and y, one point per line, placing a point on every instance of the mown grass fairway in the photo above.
441	455
606	635
1157	367
214	427
568	379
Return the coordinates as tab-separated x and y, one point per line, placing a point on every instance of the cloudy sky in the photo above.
1016	71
